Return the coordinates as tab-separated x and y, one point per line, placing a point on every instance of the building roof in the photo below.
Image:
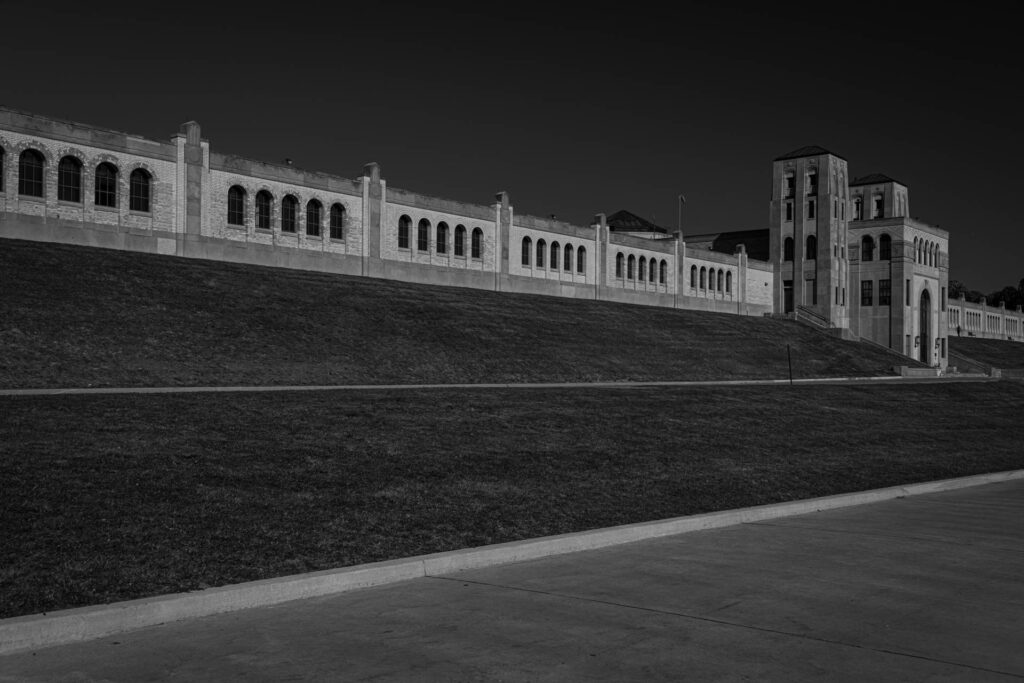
625	221
811	151
756	242
873	179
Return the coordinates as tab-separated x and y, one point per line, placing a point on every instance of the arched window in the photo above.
664	272
404	224
138	190
581	260
703	277
441	238
711	279
264	203
460	240
728	282
527	250
720	281
867	248
812	247
3	158
651	268
931	254
693	276
541	249
917	247
423	235
619	260
314	214
641	273
630	266
884	248
787	249
477	247
30	173
555	253
69	180
236	203
106	187
337	222
289	213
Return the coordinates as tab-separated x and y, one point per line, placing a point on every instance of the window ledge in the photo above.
142	214
264	231
239	228
64	202
31	198
107	209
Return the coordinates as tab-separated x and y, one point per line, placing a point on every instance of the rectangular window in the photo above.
878	208
835	208
790	184
789	211
810	209
812	183
943	346
884	292
908	344
811	291
844	296
866	293
842	210
942	299
908	293
837	296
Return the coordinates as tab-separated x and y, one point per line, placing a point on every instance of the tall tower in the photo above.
808	237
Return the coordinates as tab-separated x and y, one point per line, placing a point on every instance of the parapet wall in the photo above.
967	319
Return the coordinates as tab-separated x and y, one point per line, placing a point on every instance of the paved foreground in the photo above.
929	587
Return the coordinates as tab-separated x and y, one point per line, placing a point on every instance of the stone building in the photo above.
837	254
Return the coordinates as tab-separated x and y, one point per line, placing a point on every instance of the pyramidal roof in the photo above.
873	179
811	151
626	221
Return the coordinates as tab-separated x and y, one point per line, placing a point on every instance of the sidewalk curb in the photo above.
86	623
611	384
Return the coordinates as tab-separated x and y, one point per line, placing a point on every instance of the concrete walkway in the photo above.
928	587
521	385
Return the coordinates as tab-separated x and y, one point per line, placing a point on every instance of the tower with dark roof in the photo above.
808	235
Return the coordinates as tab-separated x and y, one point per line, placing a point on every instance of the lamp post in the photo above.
679	219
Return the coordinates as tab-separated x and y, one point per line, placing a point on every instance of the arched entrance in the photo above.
926	308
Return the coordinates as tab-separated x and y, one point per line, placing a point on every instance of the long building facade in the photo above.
837	253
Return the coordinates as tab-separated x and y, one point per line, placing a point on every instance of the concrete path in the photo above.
522	385
922	588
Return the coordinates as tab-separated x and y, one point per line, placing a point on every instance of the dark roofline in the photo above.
809	151
876	179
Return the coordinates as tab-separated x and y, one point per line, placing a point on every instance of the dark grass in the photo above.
1000	353
77	316
108	498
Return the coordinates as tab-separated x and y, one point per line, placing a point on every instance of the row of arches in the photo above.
810	253
476	246
927	252
238	212
646	271
70	184
558	252
709	278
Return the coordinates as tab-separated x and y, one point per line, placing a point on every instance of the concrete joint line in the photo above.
86	623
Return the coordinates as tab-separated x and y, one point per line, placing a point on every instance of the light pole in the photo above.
679	220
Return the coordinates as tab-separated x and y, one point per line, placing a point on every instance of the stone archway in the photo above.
925	322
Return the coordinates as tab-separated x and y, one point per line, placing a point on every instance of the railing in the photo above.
804	314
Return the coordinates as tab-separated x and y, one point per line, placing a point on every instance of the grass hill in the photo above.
998	353
77	316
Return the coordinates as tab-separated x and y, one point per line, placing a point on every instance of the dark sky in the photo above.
573	112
